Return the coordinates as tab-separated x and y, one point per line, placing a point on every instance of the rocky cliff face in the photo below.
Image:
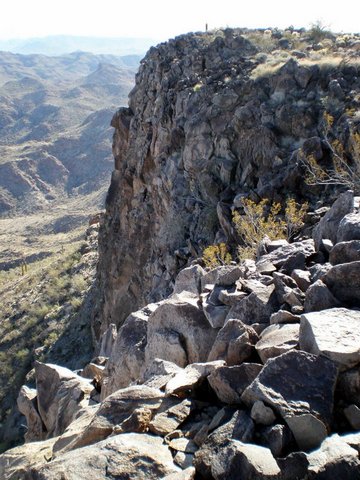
204	124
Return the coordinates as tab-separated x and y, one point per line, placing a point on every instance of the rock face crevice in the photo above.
200	129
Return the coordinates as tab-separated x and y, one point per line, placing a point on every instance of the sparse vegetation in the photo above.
216	255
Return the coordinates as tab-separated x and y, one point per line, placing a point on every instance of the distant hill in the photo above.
55	134
62	44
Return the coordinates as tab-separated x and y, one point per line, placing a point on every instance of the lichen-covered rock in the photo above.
277	339
344	282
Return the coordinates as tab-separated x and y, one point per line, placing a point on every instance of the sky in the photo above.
163	19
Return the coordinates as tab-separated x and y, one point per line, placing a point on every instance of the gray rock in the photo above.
277	438
239	426
27	405
128	410
308	430
334	459
349	228
60	396
225	275
348	385
261	414
178	331
240	460
129	455
352	439
170	415
318	297
230	298
159	372
189	279
296	383
329	224
283	316
302	279
333	333
184	460
230	382
128	353
215	315
352	413
187	474
107	340
344	282
234	343
183	444
190	377
277	339
289	257
257	307
345	252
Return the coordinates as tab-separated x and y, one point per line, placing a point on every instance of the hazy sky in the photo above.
161	19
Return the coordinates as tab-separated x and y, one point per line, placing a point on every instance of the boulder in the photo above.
187	379
308	430
187	474
27	405
349	228
128	410
329	224
277	339
318	297
289	257
296	383
61	394
225	275
108	339
334	459
334	334
159	372
178	331
229	382
189	280
345	252
348	385
130	455
257	307
261	414
128	353
344	283
238	426
240	460
352	414
234	343
277	437
302	279
16	462
170	415
283	316
216	314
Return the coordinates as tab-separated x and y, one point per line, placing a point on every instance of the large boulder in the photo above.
179	332
234	343
128	353
289	257
296	383
241	460
61	394
108	339
329	224
344	282
229	382
277	339
334	459
128	410
345	252
349	228
27	405
189	280
318	297
334	334
130	455
258	306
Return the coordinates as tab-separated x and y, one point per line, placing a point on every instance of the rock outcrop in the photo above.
265	391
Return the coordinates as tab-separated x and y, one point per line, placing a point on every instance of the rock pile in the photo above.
247	371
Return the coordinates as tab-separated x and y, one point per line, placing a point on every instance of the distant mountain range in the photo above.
62	44
55	134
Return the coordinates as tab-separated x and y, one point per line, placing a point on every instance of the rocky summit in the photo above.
239	367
